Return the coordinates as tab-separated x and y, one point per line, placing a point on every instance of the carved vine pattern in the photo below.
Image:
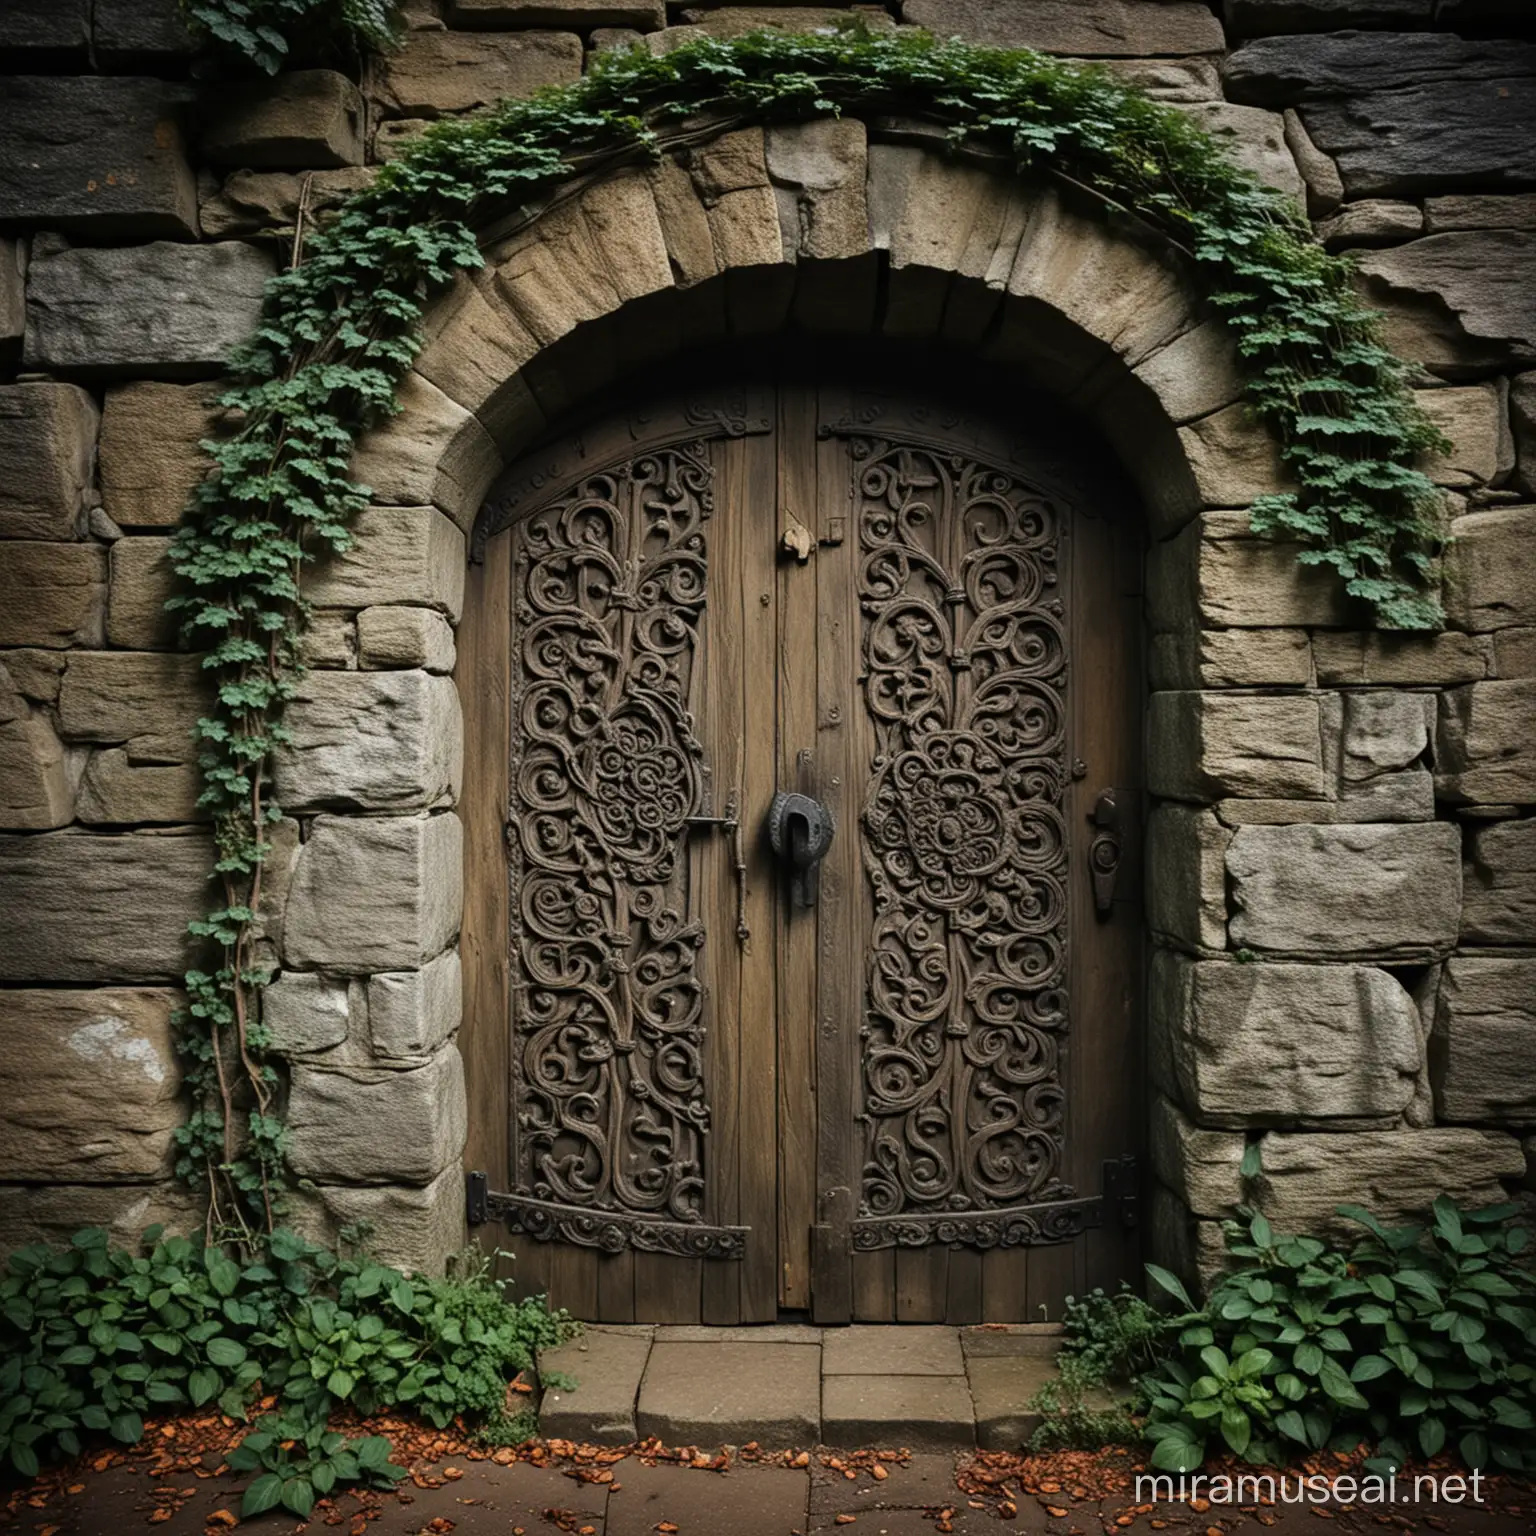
609	588
965	845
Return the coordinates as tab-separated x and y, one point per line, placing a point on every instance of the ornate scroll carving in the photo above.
613	1232
610	1113
1023	1226
965	845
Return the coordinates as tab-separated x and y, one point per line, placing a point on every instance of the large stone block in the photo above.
1216	572
37	774
1392	892
1473	418
89	1085
1499	885
375	893
1490	569
1263	18
141	580
162	310
149	701
1350	659
377	1126
52	595
490	15
1459	302
1485	744
1230	658
116	791
413	1229
150	459
1372	221
1090	28
1235	459
1374	744
411	1013
149	35
1186	877
1285	1045
1196	374
53	1213
310	119
378	741
305	1013
13	302
47	448
1522	424
398	555
818	174
1200	1166
737	20
404	637
1396	1175
1514	653
101	158
436	73
256	202
46	34
1482	1051
1253	139
1201	746
88	908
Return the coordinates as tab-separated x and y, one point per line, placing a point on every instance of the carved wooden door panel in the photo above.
706	1086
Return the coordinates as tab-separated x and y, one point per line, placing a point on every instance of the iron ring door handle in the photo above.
800	830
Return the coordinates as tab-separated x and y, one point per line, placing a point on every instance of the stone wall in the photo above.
1342	889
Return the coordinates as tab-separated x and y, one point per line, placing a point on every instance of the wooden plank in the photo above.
873	1283
758	1004
963	1293
483	676
798	771
616	1287
667	1288
1005	1286
922	1278
1051	1279
842	925
573	1279
530	1266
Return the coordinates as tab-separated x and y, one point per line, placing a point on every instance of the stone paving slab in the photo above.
927	1481
1001	1385
903	1350
925	1413
607	1365
731	1393
1041	1340
747	1333
746	1501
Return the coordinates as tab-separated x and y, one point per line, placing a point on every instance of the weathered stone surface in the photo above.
375	893
1254	139
1196	374
255	202
1490	569
1216	572
1514	653
150	459
148	700
83	907
305	1013
1192	1249
1486	279
411	1013
1234	459
1473	418
1499	885
1204	745
413	1229
140	581
1379	891
1230	658
139	34
1262	18
863	1350
404	637
1516	210
928	1413
53	1213
362	1126
1482	1052
1090	28
46	34
1176	80
606	1364
47	448
817	170
33	673
89	1085
1485	744
727	1394
398	555
13	303
163	310
116	791
1186	877
52	595
1199	1166
1350	658
1286	1044
610	39
37	775
329	640
380	741
309	118
474	15
1374	221
1374	745
437	73
103	158
1396	1175
1325	187
737	20
1522	424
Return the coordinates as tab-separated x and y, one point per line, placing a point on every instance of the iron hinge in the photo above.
1122	1189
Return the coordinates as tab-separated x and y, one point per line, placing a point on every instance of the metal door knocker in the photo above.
800	829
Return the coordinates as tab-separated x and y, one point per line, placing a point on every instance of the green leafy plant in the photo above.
338	333
94	1337
300	1460
1411	1339
265	32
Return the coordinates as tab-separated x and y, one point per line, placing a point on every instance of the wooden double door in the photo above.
802	938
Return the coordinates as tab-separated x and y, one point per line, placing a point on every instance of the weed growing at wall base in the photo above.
339	332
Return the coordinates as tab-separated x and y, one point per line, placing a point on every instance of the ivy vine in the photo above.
339	331
266	33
